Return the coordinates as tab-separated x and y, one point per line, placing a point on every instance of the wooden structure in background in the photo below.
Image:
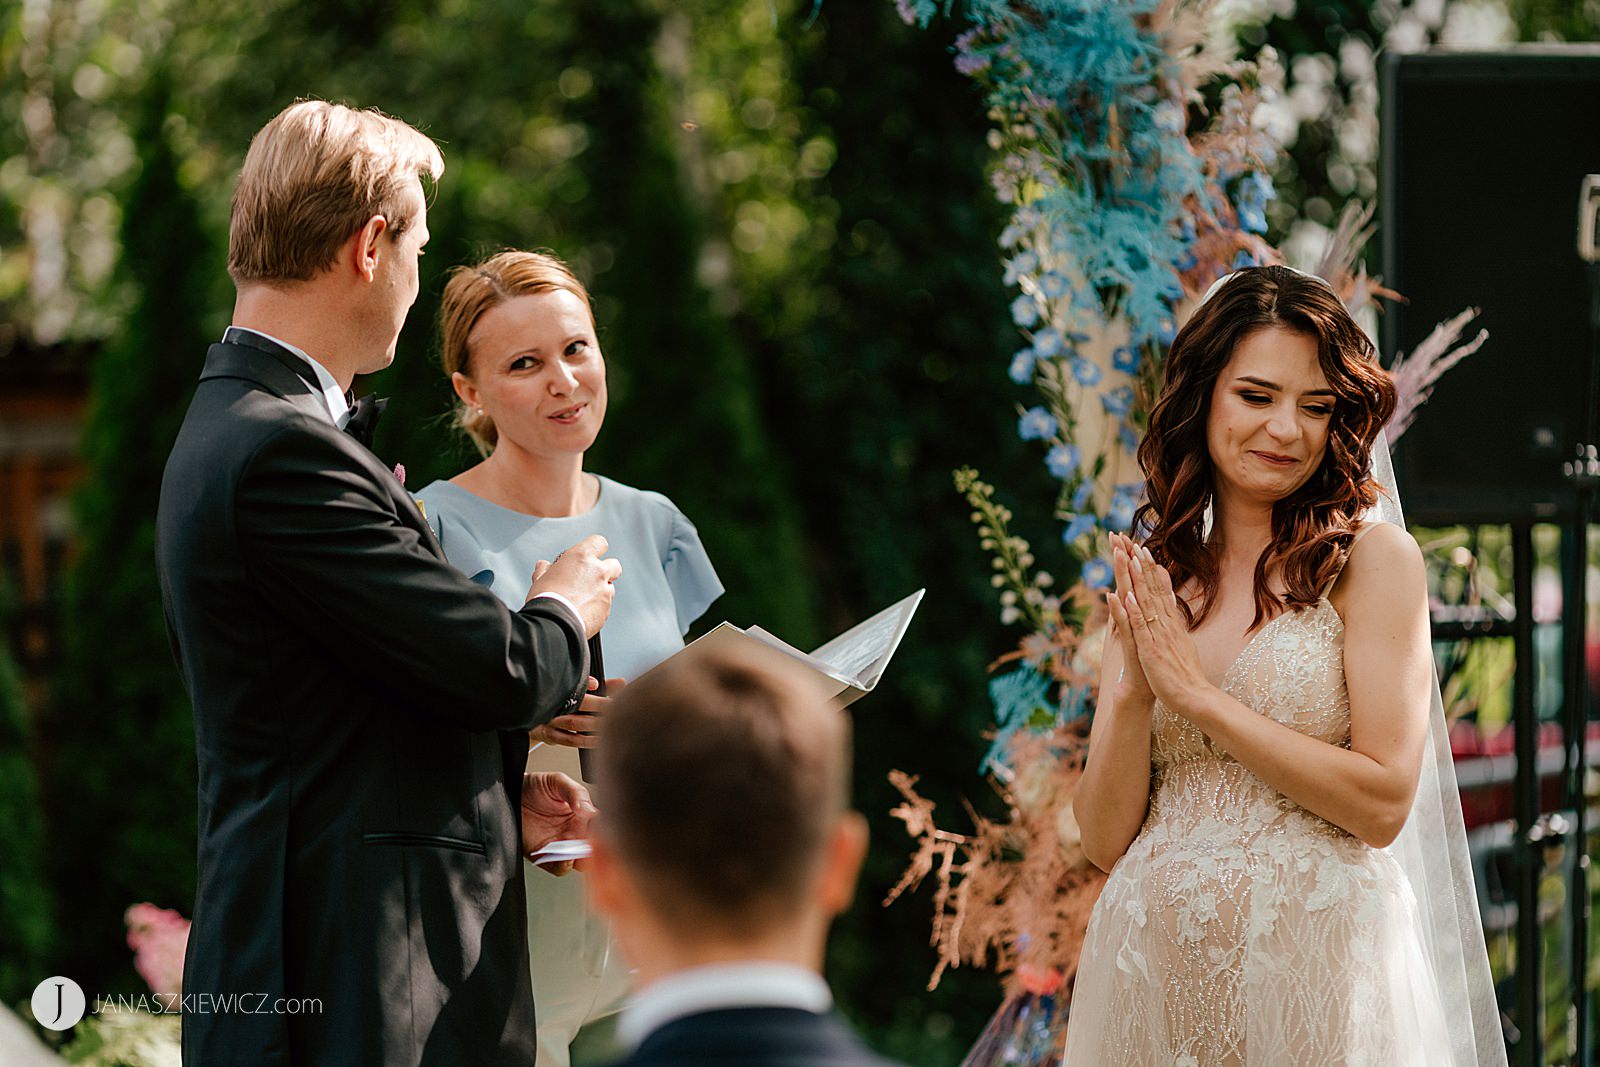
43	393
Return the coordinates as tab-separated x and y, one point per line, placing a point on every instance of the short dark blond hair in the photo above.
313	177
722	774
474	290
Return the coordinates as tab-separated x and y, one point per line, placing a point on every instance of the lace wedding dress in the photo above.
1241	930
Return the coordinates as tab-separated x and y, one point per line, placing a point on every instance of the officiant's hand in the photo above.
577	730
554	808
584	578
1167	654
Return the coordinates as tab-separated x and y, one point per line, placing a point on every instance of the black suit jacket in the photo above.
358	709
754	1037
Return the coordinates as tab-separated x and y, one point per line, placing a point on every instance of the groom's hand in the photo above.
554	808
580	575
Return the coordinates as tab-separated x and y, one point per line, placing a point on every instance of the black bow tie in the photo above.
364	415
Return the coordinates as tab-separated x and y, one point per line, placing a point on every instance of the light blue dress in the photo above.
667	582
667	579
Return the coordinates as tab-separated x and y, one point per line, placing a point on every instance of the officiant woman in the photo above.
520	347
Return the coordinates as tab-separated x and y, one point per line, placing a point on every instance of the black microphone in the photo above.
597	669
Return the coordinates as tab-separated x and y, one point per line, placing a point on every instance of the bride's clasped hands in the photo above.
1158	653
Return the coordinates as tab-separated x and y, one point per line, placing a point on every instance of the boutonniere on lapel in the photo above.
400	476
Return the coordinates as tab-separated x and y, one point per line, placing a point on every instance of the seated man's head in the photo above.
332	197
724	831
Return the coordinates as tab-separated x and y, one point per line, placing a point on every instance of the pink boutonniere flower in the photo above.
400	474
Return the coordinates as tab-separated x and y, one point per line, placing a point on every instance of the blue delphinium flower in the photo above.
1018	266
1036	424
1127	438
1053	286
1021	369
1062	461
1097	574
1085	372
1047	342
1024	311
1166	330
1077	527
1254	190
1118	401
1010	235
1124	500
1083	494
1126	359
1245	259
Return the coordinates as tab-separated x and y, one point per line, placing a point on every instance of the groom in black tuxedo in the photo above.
725	849
360	708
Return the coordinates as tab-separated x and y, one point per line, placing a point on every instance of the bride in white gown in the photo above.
1263	726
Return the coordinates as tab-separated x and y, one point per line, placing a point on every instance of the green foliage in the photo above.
1557	20
896	378
25	914
60	150
122	786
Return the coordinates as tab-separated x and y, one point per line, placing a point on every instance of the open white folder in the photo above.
853	662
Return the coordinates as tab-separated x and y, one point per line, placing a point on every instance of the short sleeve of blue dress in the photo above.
667	579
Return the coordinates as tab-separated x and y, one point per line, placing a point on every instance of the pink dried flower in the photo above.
400	474
1416	374
158	937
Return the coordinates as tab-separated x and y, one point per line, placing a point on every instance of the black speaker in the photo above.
1483	156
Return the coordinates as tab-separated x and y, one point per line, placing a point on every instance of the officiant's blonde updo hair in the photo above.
312	178
474	290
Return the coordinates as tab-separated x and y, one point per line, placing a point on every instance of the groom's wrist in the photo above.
571	608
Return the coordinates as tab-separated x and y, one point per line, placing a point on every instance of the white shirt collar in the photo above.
756	984
338	407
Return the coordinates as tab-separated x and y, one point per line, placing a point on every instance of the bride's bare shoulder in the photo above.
1384	570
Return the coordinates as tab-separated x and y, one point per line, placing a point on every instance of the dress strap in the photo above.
1348	552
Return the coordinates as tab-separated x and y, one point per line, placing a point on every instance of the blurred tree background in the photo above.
782	211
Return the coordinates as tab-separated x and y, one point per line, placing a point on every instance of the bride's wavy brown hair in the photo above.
1312	528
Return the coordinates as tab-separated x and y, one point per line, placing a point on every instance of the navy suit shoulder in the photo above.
359	832
755	1037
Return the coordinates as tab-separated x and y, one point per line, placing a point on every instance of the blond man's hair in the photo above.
474	290
313	177
724	772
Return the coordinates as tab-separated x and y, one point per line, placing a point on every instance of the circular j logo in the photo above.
58	1003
